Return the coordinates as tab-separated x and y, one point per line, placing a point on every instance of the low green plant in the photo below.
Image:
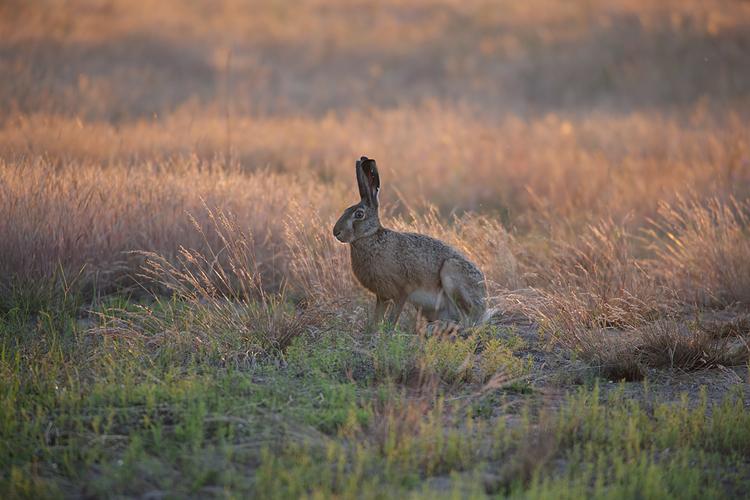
450	358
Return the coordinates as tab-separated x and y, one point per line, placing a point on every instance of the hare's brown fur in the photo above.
407	267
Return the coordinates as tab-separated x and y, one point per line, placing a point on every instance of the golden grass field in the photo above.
592	157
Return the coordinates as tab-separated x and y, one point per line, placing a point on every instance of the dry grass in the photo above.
599	298
628	353
703	250
666	344
519	169
319	264
65	208
598	281
542	140
86	218
211	304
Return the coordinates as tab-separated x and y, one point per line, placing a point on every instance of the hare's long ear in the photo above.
368	181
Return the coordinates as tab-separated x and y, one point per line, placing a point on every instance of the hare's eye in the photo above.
359	214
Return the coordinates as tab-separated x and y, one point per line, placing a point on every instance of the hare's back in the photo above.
422	250
423	258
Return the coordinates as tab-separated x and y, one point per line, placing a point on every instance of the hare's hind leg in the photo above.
461	290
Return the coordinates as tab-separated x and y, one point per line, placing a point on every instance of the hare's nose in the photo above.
336	232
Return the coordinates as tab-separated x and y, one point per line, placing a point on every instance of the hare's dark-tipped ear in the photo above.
368	181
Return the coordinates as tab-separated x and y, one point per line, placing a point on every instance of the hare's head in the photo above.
361	219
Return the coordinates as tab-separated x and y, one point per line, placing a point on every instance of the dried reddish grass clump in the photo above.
319	265
87	219
212	303
703	249
674	345
596	282
628	353
612	307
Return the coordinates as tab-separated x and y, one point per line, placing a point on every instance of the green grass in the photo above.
102	412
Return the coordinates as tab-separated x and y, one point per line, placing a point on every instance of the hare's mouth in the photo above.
342	236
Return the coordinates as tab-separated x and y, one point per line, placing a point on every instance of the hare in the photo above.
406	267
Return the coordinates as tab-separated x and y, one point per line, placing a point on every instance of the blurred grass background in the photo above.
119	61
